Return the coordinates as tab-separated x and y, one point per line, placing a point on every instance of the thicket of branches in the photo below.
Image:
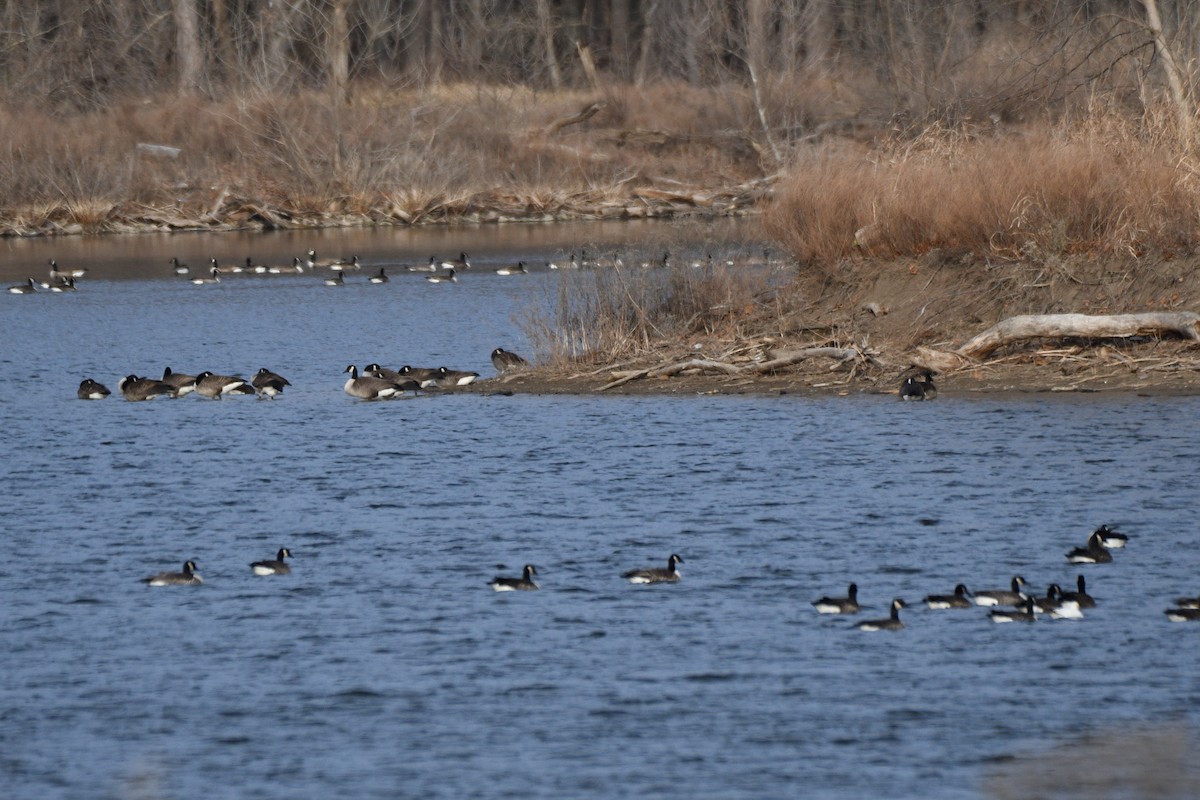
920	55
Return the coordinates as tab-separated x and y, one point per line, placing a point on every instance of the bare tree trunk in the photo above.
756	49
220	13
639	74
188	52
337	51
546	31
279	35
436	53
1171	68
472	38
818	35
619	31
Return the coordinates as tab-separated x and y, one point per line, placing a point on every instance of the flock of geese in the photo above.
375	383
437	270
188	576
1006	605
1014	604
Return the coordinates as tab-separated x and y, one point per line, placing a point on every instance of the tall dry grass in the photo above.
1106	186
419	149
622	312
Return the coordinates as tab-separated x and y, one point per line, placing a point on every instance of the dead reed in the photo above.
622	311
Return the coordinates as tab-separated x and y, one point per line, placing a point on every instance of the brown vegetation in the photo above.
1104	187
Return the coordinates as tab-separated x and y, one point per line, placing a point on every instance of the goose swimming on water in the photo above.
1002	597
138	389
186	577
892	623
90	390
669	574
273	567
839	605
522	584
957	600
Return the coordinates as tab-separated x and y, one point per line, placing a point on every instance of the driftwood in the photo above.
1056	326
780	360
583	115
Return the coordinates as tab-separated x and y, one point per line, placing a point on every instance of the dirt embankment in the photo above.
871	322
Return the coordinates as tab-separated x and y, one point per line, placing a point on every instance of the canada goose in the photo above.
137	389
312	262
571	263
332	263
178	267
1187	602
380	278
57	274
459	264
182	383
23	288
1093	553
519	269
665	261
214	386
957	600
368	388
338	281
504	360
522	584
268	383
90	390
1080	596
67	285
421	375
1002	597
257	269
1055	605
892	623
235	269
446	378
383	373
669	574
1183	614
214	277
56	278
918	387
839	605
276	567
1111	539
295	268
186	577
448	277
432	266
1023	614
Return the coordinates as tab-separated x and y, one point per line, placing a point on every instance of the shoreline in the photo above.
229	210
977	381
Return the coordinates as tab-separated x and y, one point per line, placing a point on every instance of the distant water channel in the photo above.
384	666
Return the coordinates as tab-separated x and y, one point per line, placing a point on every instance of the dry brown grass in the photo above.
619	312
296	152
1102	187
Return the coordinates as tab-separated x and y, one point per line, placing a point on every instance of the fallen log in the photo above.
583	115
1058	326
